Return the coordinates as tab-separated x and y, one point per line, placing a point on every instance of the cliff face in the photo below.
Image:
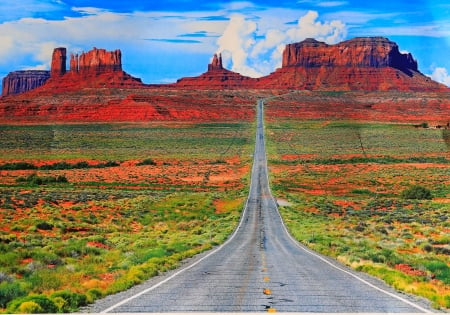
95	68
369	63
365	63
96	61
22	81
58	67
375	52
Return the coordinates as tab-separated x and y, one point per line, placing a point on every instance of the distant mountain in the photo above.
385	83
364	63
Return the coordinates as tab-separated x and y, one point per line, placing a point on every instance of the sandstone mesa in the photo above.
96	88
362	63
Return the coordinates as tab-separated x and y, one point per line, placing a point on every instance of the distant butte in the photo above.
95	68
217	77
362	63
21	81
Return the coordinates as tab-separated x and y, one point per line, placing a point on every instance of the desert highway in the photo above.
261	268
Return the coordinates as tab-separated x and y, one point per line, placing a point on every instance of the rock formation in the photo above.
364	63
376	52
96	61
217	77
58	67
22	81
95	68
216	63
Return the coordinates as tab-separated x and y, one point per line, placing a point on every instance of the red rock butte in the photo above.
217	77
96	68
96	88
363	63
21	81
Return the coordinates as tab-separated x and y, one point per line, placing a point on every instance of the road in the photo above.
261	268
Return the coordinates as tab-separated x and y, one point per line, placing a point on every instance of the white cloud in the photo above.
37	67
30	41
6	47
13	9
236	41
255	58
331	3
441	75
321	3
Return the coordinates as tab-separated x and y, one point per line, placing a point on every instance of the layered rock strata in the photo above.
217	77
22	81
364	63
59	58
96	61
372	52
95	68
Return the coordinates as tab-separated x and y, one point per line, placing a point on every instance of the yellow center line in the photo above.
267	291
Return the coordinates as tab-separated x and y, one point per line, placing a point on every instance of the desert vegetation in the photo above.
89	210
373	195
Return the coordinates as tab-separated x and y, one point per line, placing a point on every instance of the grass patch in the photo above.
115	224
371	195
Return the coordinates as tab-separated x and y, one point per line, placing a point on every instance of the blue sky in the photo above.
162	41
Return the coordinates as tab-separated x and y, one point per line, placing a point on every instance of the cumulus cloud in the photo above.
441	75
236	41
28	42
253	54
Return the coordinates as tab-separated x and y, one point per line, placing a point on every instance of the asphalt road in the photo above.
261	268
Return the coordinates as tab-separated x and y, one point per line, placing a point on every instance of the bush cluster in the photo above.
417	192
146	162
59	302
10	290
55	166
34	179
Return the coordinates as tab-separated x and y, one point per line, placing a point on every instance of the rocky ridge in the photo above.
95	88
373	52
217	77
96	61
96	68
363	63
22	81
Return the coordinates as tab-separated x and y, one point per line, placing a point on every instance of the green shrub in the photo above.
60	303
44	226
17	166
10	291
93	294
440	270
46	305
34	179
72	300
56	166
146	162
78	165
417	192
110	164
44	279
30	307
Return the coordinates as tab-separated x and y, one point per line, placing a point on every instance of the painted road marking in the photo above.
267	291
